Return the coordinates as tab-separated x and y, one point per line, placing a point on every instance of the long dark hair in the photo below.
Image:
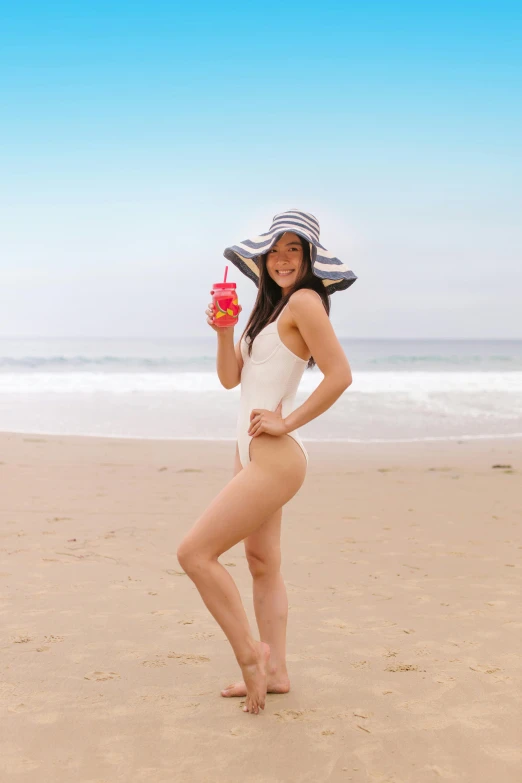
270	300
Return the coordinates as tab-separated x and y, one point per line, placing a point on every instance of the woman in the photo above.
288	329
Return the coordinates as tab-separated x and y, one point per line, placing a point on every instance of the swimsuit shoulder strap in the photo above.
281	313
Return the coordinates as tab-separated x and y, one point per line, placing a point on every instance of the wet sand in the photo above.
403	568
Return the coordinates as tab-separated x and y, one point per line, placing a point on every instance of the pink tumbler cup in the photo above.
224	298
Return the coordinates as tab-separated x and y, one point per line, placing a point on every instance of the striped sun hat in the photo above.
335	275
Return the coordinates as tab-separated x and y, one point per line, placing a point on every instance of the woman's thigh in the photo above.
255	494
265	543
263	547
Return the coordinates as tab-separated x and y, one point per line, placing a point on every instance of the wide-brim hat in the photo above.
334	273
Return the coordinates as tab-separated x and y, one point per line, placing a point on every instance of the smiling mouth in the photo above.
285	271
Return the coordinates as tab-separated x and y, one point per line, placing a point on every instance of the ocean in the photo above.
402	390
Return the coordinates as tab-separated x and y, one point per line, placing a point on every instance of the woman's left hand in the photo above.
271	422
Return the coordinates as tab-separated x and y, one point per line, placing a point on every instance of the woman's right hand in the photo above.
210	318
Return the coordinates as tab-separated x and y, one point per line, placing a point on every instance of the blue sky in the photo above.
137	140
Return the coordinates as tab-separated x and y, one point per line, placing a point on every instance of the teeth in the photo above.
286	272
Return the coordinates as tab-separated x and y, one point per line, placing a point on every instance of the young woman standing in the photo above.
289	329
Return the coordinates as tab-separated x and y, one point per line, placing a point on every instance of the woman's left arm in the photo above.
317	331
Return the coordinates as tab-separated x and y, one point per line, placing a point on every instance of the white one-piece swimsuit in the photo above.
271	374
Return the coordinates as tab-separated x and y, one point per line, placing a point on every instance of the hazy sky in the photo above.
138	139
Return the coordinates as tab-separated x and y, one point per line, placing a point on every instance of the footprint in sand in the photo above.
403	667
245	730
288	715
189	658
165	611
101	676
51	639
154	664
484	669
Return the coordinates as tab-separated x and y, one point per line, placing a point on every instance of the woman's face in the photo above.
284	260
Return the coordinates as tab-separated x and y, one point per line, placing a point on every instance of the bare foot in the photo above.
277	682
255	679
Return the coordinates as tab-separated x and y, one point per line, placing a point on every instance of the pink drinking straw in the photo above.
226	272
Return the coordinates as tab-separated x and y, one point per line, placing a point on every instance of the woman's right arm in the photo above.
229	362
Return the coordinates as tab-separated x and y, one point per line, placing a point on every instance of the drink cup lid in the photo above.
224	285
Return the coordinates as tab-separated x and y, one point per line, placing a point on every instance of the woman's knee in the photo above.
264	564
184	555
189	557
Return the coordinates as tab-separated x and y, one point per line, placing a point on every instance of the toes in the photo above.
234	689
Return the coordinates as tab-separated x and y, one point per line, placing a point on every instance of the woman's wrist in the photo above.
225	332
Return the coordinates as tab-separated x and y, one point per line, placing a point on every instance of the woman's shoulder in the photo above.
305	296
305	304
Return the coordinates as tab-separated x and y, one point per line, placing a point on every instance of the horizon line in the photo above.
204	337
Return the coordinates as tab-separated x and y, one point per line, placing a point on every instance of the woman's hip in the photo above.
283	455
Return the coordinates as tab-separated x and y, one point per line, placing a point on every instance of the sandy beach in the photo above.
402	564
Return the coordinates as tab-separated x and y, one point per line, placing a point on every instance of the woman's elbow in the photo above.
228	385
343	379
